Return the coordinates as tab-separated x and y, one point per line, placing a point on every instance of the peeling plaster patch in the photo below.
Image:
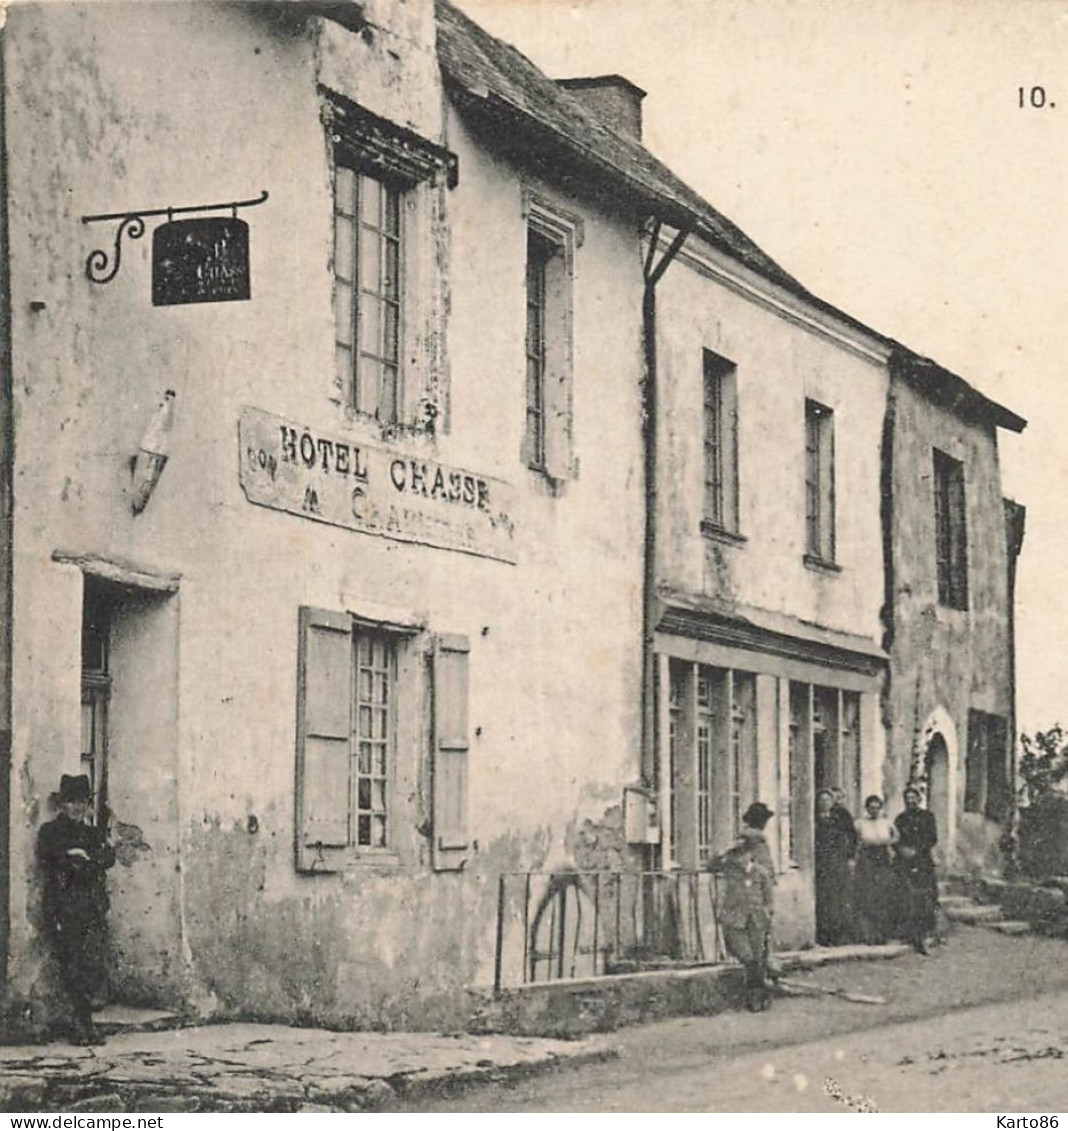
130	843
601	846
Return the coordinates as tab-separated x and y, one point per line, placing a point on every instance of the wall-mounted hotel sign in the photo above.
375	490
201	260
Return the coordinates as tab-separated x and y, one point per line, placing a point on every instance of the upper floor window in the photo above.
539	255
367	292
551	240
720	443
389	305
951	531
819	483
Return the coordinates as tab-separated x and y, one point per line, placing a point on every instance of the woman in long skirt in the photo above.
836	844
873	881
917	834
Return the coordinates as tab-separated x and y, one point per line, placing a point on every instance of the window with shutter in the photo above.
451	746
324	726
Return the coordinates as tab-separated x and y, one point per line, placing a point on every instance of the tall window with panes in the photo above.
539	253
819	483
720	387
368	292
951	531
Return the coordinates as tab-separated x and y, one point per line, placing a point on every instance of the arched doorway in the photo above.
939	792
936	761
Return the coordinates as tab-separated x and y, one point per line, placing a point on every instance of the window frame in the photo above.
427	736
556	235
419	172
392	641
820	486
719	402
388	401
539	252
987	783
951	531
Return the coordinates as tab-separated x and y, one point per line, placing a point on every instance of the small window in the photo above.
951	534
819	483
367	292
720	443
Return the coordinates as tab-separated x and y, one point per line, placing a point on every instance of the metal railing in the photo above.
554	925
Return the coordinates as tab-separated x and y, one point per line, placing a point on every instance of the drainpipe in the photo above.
7	462
653	272
1015	521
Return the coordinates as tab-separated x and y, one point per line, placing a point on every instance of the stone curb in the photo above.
138	1088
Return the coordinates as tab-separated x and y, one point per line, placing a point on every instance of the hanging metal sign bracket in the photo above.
100	268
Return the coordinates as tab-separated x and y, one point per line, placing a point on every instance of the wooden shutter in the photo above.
975	762
324	727
451	745
998	782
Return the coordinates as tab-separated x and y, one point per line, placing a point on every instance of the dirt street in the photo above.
979	1025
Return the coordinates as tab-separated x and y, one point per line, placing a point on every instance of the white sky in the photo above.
877	150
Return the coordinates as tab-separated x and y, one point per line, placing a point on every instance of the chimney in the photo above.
616	101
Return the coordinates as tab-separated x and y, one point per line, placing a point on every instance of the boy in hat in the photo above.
747	903
74	857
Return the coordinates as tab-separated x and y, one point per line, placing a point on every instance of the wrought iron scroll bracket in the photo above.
102	268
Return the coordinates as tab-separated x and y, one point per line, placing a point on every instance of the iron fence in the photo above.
554	925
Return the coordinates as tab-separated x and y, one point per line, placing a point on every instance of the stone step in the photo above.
1010	926
133	1019
947	901
973	913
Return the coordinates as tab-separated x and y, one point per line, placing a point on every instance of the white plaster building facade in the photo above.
496	536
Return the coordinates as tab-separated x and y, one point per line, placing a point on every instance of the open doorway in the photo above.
939	794
96	693
129	752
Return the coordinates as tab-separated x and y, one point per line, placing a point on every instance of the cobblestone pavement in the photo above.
248	1067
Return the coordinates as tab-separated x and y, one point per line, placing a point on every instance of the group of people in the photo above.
875	878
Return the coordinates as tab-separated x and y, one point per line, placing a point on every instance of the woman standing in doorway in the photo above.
873	883
836	845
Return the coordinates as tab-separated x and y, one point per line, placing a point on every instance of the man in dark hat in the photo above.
74	856
746	905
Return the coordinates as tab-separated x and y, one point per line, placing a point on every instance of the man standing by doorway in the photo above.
74	857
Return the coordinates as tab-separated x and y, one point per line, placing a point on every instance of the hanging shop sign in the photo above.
200	260
193	260
374	489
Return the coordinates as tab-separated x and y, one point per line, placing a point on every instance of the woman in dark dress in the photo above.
917	834
836	845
